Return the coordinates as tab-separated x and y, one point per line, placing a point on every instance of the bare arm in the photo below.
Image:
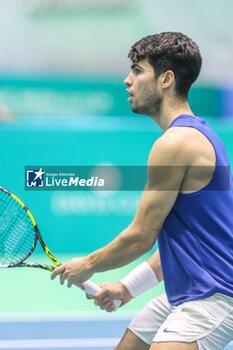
156	203
155	264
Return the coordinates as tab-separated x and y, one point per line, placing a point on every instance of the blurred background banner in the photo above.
49	98
63	103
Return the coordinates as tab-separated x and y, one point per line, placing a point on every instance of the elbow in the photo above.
147	245
145	242
138	240
147	238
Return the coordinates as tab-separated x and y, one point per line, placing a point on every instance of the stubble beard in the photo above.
150	105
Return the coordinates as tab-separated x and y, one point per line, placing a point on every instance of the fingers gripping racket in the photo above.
19	235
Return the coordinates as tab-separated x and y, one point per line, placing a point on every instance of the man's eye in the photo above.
137	70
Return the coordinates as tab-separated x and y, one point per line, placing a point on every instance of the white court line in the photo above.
58	343
63	316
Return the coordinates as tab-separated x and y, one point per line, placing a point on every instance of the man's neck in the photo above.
170	111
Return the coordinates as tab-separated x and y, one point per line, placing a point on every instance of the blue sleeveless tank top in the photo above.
196	239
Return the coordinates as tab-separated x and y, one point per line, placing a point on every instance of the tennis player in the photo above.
187	207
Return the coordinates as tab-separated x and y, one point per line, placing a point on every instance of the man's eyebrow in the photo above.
136	65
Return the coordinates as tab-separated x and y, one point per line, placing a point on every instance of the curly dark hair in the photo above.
170	51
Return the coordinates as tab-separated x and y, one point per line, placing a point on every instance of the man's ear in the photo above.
168	79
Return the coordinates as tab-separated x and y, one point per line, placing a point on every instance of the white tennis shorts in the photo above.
208	321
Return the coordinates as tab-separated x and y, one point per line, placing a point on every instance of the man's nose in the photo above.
128	80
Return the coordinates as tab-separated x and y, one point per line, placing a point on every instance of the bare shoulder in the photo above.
182	146
170	148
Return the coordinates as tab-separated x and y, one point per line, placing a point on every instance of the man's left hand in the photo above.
75	271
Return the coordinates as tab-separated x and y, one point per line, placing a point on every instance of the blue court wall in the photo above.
82	221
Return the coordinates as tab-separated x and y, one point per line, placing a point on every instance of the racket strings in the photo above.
17	235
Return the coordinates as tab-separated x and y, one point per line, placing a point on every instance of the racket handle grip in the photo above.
92	289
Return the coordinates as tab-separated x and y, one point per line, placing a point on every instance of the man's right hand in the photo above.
109	292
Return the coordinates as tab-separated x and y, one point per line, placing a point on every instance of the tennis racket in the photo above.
19	235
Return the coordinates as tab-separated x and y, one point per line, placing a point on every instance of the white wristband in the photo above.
140	279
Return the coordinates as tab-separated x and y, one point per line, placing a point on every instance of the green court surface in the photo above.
28	290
